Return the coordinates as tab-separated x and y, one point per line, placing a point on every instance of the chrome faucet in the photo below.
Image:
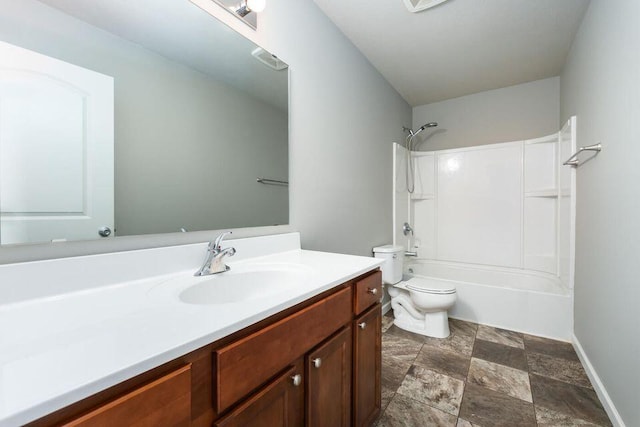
213	264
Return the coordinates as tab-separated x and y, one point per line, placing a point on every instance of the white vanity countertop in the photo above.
62	348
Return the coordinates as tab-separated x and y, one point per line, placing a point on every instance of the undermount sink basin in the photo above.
240	284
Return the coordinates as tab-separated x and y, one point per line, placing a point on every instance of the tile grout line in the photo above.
533	399
464	383
554	378
422	346
526	355
395	392
429	405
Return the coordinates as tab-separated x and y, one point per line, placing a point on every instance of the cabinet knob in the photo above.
362	325
317	362
296	379
372	291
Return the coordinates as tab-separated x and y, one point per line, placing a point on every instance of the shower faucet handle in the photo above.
406	229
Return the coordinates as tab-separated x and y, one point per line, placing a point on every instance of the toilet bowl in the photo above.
420	305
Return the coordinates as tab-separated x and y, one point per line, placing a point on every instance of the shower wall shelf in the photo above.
542	140
422	196
551	192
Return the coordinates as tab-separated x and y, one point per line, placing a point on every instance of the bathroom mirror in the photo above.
123	118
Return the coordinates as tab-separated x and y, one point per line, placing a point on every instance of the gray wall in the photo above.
524	111
343	118
601	85
183	144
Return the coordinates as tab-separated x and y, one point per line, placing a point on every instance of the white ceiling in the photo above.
182	32
459	47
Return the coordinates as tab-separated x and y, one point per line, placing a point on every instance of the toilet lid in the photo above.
430	286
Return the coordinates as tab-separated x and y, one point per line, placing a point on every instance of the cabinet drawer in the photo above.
244	365
368	291
163	402
279	403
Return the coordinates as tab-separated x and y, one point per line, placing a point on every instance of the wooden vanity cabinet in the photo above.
315	364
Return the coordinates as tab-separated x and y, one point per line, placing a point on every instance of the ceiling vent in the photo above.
420	5
268	59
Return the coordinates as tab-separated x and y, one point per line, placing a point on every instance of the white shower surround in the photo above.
498	221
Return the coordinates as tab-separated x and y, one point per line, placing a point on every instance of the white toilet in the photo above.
419	304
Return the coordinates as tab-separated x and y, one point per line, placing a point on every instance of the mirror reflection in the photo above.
122	118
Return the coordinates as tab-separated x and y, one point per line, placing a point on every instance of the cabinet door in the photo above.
328	368
280	403
366	367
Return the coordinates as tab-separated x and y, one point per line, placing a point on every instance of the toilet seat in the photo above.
429	286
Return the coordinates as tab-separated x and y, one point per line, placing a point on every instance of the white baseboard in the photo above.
386	307
614	416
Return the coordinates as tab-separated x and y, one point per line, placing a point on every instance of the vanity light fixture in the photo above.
249	6
245	10
416	6
270	60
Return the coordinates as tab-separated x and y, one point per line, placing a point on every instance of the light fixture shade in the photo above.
416	6
256	5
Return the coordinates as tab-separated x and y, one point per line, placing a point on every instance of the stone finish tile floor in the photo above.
483	377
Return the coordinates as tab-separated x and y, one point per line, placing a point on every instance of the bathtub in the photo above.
520	300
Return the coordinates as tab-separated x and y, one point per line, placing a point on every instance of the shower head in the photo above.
409	169
425	126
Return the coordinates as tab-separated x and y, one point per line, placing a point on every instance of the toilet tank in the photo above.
393	259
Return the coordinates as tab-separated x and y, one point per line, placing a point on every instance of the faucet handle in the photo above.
218	241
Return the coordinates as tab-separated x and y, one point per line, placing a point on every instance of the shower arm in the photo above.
420	129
